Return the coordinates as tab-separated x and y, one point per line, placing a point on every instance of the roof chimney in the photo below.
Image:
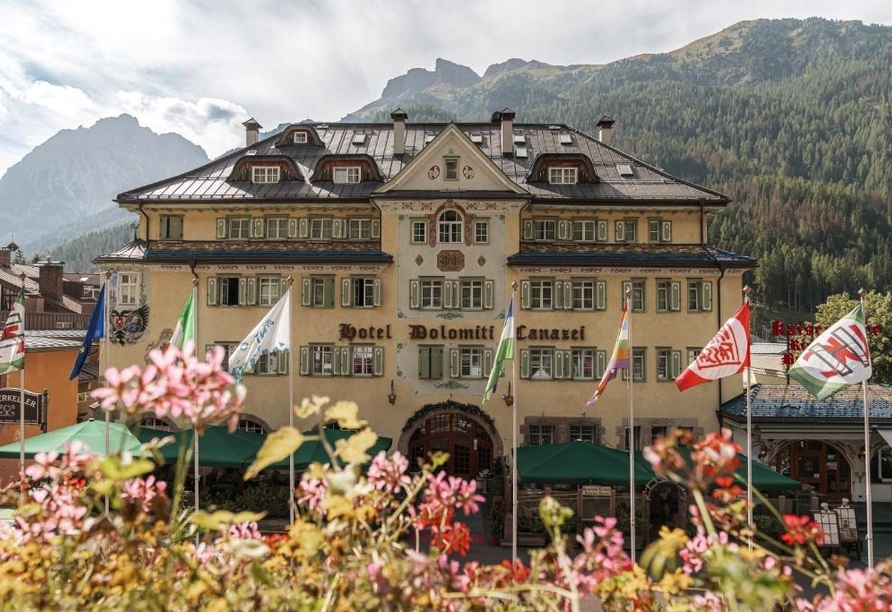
399	117
5	256
49	280
252	132
605	124
506	116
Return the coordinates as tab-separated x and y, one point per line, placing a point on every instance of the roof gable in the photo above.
428	170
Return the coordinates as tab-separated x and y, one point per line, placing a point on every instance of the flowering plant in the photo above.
388	538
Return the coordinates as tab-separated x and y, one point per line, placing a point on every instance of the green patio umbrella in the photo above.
764	477
217	447
312	451
91	433
578	463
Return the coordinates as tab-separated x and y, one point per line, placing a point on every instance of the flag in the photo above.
619	359
95	330
728	353
185	328
12	338
503	352
271	335
836	359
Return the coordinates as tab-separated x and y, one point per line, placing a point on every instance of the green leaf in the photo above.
112	467
221	520
277	446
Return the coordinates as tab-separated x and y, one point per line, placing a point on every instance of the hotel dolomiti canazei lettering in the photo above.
350	332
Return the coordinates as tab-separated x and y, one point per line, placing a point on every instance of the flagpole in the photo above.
194	317
631	438
514	482
749	436
867	493
22	391
291	483
103	357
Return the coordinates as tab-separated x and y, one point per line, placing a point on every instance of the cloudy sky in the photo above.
201	67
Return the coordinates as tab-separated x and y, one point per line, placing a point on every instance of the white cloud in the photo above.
200	68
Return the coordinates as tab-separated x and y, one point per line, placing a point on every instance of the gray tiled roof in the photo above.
54	339
628	254
793	402
210	182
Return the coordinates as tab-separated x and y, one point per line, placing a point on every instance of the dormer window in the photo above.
346	175
264	174
300	138
562	176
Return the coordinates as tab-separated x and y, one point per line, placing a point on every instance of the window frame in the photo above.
474	289
544	230
362	355
170	227
699	295
276	227
128	289
265	175
275	290
317	365
563	175
349	175
430	293
359	228
540	433
481	231
626	231
238	228
541	360
321	228
450	231
418	229
467	357
450	168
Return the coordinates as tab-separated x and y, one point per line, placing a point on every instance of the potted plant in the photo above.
496	520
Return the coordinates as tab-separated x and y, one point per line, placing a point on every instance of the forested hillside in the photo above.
790	118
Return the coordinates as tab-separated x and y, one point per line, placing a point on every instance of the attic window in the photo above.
428	138
562	176
359	139
520	152
477	138
519	139
265	174
252	152
346	175
565	139
625	169
300	138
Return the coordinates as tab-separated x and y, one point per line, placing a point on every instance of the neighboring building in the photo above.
403	241
55	321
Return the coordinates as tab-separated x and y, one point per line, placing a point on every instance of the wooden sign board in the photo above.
596	491
848	524
11	404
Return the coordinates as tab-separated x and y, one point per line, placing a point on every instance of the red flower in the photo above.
801	530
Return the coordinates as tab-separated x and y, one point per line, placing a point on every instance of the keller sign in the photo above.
11	402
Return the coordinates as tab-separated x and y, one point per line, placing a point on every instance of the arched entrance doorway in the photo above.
818	464
462	430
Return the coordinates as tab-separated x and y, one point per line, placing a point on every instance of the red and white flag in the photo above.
728	353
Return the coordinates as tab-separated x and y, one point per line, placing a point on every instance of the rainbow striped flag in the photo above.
619	359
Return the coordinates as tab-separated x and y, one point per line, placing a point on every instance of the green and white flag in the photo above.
836	359
271	335
185	329
505	351
12	337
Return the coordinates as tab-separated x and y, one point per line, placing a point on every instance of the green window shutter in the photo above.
303	228
454	366
568	295
424	362
346	286
524	363
488	356
600	295
600	363
212	291
292	228
251	291
414	293
242	291
557	302
337	228
284	287
376	229
559	364
257	228
376	288
221	228
619	229
344	355
378	361
666	231
304	360
525	294
488	294
676	364
528	229
602	231
627	288
336	361
451	294
282	365
563	231
707	295
437	362
675	296
329	291
306	295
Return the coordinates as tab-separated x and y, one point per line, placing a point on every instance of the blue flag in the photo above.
95	330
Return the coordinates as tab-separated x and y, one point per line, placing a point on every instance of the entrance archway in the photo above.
819	464
463	430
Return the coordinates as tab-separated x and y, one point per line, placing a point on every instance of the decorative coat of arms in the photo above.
128	326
